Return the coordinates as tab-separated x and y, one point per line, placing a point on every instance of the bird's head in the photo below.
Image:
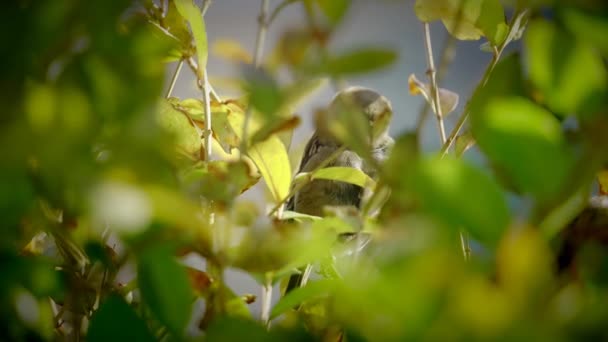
357	111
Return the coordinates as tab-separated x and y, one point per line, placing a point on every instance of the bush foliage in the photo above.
103	172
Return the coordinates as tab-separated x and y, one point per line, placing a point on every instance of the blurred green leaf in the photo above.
358	62
526	142
299	92
334	9
569	74
193	15
271	159
461	196
265	95
345	174
589	27
476	18
313	289
235	329
220	180
104	323
165	288
491	21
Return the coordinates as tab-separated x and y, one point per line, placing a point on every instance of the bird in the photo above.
314	196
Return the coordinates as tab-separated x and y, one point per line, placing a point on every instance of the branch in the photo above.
266	300
278	10
432	76
257	56
174	78
497	52
207	102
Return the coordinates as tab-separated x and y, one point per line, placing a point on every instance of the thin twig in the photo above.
174	78
278	10
464	240
207	102
434	87
497	52
266	300
465	113
194	67
257	56
206	4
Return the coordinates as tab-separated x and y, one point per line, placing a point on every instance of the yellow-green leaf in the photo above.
271	159
177	123
344	174
193	15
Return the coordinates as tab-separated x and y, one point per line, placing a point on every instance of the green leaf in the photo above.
288	215
177	123
298	296
220	180
165	288
271	159
298	92
193	15
476	18
526	142
221	128
491	21
264	92
116	320
344	174
236	329
461	196
568	72
360	61
591	28
334	10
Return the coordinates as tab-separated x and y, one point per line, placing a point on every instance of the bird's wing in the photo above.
312	147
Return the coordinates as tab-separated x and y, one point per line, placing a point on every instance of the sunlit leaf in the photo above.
461	196
359	61
165	288
313	289
572	81
344	174
179	125
103	323
193	15
272	161
466	19
448	100
288	215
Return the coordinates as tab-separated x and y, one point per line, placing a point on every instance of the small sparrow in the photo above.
316	195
